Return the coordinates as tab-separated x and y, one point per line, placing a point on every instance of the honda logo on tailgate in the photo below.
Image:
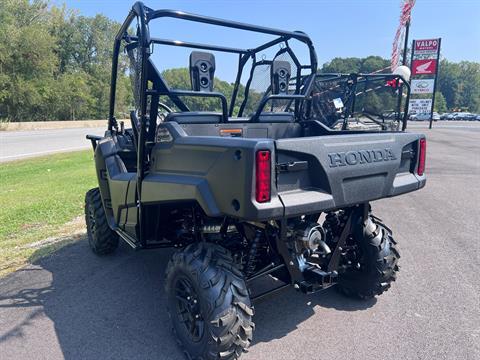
360	157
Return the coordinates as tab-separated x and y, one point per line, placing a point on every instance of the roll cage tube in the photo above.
144	15
138	11
365	78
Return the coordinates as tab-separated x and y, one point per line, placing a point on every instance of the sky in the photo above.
338	28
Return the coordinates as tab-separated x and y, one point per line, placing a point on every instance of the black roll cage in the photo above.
146	14
143	41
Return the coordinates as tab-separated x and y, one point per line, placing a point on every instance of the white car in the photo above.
424	117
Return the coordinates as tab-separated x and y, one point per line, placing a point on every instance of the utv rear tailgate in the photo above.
328	172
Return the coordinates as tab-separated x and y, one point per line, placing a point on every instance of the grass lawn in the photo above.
37	198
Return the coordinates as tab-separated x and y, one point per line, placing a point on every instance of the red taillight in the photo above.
263	176
422	152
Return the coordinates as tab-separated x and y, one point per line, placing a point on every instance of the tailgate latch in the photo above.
292	166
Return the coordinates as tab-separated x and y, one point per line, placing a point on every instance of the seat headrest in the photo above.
194	117
276	117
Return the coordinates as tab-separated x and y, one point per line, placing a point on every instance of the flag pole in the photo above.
404	62
405	45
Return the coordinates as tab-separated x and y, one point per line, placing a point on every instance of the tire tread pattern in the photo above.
104	240
228	317
381	255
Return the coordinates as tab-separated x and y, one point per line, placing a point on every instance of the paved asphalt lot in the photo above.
15	145
74	305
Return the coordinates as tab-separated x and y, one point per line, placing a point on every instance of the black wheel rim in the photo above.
188	309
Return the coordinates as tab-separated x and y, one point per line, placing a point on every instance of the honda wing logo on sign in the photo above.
422	86
421	67
424	67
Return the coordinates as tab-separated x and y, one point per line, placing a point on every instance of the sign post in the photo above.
435	82
424	66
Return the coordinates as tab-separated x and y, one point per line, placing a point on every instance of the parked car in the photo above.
462	116
470	117
424	117
477	117
455	116
450	116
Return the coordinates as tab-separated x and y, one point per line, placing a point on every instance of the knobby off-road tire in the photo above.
208	303
378	263
101	238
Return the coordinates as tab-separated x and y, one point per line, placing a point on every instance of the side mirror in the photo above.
281	71
202	70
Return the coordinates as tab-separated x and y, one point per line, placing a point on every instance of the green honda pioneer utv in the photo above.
270	180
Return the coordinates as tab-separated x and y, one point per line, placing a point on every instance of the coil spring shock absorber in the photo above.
253	254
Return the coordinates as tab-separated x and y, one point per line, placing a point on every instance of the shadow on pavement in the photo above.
114	306
280	314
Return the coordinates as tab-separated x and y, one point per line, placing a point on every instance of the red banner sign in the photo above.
421	67
428	45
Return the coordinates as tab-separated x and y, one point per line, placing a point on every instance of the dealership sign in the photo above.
420	106
428	46
424	67
422	86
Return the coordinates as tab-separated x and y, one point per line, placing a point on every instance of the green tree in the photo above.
459	83
27	62
84	45
356	65
448	82
179	78
73	98
55	64
342	65
440	103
